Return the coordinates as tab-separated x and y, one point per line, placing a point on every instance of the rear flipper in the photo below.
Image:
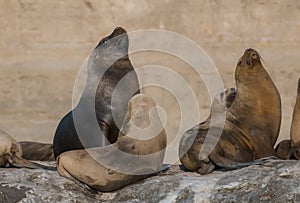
23	163
37	151
227	166
206	166
286	150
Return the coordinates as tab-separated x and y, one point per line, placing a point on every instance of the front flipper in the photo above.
283	149
295	151
231	151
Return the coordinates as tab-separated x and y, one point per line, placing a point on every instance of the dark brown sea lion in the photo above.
252	122
137	154
191	160
101	104
287	149
11	154
37	151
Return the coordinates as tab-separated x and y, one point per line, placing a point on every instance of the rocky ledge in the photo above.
271	181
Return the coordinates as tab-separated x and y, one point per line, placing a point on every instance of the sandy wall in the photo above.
44	43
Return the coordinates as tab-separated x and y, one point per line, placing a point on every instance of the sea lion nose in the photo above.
249	50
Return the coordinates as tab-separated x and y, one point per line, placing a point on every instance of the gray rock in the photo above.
271	181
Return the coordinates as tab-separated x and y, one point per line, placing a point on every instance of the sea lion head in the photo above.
139	108
224	99
249	63
108	51
9	148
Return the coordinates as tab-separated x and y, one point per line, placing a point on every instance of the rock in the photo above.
272	181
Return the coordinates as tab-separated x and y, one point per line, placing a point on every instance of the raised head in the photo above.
108	51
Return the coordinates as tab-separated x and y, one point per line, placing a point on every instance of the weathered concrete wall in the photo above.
44	43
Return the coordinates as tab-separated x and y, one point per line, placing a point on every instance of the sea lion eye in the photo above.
222	95
240	62
103	41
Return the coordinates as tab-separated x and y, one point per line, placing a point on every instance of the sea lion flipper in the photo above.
36	151
63	172
295	126
283	149
295	151
19	162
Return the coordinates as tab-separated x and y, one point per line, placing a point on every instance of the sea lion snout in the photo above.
250	55
117	39
118	31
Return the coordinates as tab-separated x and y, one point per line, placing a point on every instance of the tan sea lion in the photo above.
287	149
252	122
137	154
11	154
37	151
101	103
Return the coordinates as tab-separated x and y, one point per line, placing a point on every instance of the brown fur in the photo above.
191	160
37	151
252	121
80	165
11	154
288	149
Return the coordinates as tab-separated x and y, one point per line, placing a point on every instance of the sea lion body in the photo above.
192	139
288	149
11	154
138	153
107	65
252	121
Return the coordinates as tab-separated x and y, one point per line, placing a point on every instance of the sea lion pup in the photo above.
251	127
220	104
37	151
287	149
108	64
11	154
137	154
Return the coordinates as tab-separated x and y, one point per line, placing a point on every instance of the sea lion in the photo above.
287	149
37	151
137	154
251	127
11	154
108	64
191	161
